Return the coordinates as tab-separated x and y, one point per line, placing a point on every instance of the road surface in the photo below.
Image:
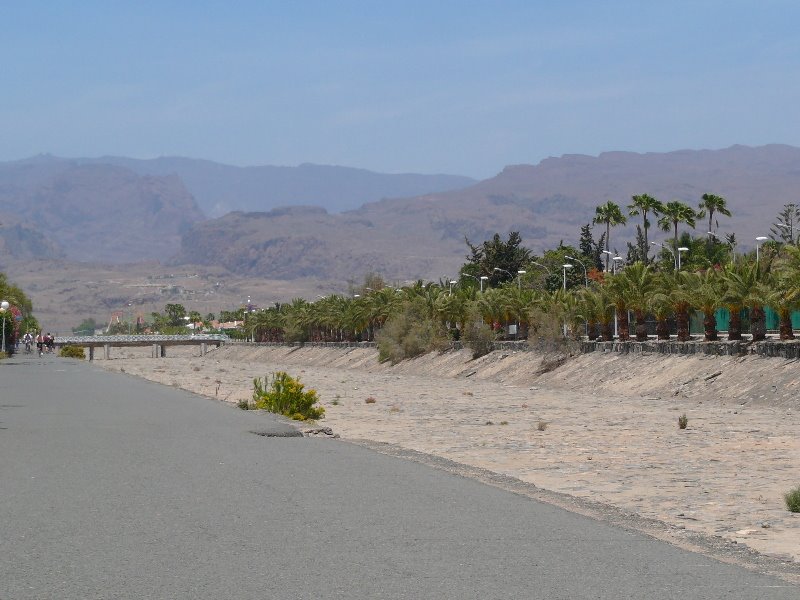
114	487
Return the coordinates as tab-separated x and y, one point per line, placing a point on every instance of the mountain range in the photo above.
424	236
336	223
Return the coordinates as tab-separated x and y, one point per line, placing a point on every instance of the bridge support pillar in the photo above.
163	351
91	352
106	351
154	351
203	349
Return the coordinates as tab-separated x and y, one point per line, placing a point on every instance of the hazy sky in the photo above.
432	86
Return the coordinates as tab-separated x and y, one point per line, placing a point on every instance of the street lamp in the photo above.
545	267
610	257
451	283
519	278
759	239
504	271
675	259
564	268
585	276
3	309
617	259
478	279
681	249
483	278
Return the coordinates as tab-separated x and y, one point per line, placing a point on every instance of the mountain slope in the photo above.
98	213
547	203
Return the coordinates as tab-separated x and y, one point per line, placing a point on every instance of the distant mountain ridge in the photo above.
220	189
424	236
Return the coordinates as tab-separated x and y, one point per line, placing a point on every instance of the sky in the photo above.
430	86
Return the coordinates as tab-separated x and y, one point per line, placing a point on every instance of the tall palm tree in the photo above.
711	204
673	214
610	215
641	205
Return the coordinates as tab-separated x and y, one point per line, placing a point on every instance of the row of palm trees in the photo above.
638	290
670	215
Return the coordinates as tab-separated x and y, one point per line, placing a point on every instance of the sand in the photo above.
600	427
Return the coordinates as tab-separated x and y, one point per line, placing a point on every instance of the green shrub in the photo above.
409	333
683	422
478	337
792	499
285	395
72	352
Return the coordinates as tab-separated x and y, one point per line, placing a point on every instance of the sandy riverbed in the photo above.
601	427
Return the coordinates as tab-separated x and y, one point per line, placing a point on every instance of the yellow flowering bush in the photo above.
285	395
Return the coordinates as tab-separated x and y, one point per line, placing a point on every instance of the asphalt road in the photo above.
113	487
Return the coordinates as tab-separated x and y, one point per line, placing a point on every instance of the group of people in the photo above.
44	342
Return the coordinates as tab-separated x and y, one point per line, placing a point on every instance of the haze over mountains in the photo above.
118	210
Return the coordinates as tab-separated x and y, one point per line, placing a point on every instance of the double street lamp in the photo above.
676	258
480	279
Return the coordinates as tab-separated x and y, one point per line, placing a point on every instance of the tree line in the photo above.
567	291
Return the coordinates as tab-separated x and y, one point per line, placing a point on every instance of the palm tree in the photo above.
661	306
783	297
637	284
610	215
592	303
673	214
711	204
738	281
641	205
678	286
617	290
708	288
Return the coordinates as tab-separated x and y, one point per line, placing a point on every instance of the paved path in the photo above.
113	487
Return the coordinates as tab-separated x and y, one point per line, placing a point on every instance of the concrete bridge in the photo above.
159	343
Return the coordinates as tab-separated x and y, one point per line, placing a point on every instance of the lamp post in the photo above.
545	267
759	239
480	279
451	283
504	271
519	278
585	275
616	260
564	268
681	249
675	259
3	309
610	257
